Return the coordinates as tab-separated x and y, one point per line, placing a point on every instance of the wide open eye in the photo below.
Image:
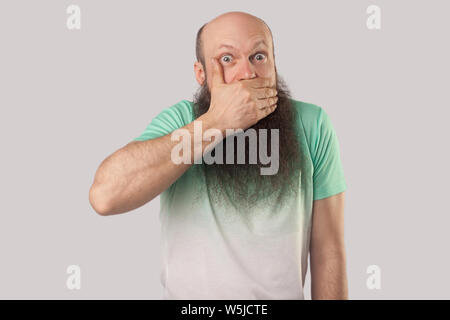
226	58
259	56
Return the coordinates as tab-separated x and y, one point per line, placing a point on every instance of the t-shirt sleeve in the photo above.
167	121
328	176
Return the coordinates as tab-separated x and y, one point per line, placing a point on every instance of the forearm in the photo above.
140	171
329	276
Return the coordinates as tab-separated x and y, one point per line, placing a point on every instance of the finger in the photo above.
217	73
264	103
259	82
264	93
266	111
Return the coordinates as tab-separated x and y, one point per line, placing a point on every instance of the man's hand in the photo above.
241	104
141	170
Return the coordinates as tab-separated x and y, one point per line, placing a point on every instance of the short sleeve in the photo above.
328	175
168	120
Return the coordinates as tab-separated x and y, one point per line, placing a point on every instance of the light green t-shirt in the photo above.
208	255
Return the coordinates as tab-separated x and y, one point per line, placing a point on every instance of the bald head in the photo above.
239	35
236	17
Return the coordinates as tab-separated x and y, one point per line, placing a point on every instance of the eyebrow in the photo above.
257	43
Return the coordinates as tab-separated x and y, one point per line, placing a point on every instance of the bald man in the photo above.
228	231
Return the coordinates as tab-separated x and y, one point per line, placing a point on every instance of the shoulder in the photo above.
314	125
181	112
309	114
309	119
169	119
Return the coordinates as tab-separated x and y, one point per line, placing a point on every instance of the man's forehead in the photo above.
228	43
237	41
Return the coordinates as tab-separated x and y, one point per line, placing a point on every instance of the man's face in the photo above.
242	46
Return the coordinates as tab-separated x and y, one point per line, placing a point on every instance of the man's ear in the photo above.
199	72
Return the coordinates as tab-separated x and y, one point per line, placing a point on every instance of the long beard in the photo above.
242	185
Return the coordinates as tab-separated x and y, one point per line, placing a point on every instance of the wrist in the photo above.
210	122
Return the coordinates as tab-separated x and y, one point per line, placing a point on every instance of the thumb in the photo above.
217	73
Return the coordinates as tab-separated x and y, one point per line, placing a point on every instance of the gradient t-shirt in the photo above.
208	255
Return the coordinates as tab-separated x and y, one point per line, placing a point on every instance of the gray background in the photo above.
70	98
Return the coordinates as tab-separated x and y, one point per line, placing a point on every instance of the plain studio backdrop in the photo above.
69	98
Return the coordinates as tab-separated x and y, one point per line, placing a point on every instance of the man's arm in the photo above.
140	171
327	250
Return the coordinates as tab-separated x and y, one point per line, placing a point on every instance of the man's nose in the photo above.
246	71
